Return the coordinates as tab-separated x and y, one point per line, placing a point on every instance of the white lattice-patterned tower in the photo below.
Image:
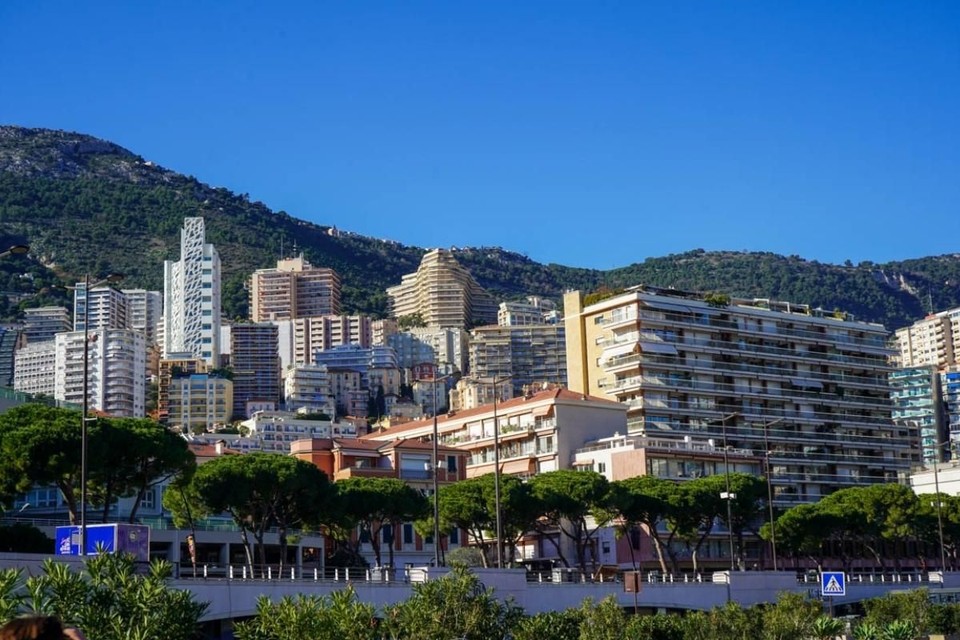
191	296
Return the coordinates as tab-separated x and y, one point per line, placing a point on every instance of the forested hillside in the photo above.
86	205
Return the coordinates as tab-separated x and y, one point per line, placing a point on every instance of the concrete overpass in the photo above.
235	595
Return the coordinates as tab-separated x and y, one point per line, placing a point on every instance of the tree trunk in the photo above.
282	538
246	548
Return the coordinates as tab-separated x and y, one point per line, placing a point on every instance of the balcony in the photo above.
364	472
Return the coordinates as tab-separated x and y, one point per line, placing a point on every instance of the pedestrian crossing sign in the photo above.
833	583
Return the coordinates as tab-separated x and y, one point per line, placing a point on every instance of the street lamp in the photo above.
110	279
728	495
773	529
436	484
936	489
15	250
496	471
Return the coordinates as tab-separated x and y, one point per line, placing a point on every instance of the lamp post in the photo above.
728	495
85	403
936	489
436	484
496	471
773	530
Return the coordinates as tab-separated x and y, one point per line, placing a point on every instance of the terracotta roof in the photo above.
210	450
506	406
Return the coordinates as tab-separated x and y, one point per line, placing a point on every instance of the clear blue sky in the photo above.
590	134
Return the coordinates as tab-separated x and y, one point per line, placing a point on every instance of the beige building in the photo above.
294	289
300	338
198	402
443	293
742	371
931	341
470	392
538	433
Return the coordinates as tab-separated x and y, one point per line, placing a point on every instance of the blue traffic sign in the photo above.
833	583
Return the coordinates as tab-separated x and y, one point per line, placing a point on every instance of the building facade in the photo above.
294	289
35	368
931	341
43	323
191	297
108	308
813	384
918	406
144	311
534	310
256	366
116	377
198	402
530	354
537	433
443	294
308	387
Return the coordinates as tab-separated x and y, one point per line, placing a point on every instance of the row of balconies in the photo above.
871	340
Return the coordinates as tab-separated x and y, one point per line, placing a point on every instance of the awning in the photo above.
518	466
658	347
542	412
619	350
806	383
667	306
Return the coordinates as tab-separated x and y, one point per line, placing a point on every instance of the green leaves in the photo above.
110	601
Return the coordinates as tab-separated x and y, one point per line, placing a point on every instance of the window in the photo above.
408	534
149	501
601	467
455	536
452	463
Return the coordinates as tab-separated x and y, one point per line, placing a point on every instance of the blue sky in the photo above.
590	134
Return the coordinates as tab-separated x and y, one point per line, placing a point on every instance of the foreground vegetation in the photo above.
110	601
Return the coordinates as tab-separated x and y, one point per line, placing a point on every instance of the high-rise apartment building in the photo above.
108	308
743	373
935	341
444	347
256	366
443	294
918	406
116	377
532	354
144	311
35	367
43	323
198	402
294	289
308	388
300	338
11	339
191	297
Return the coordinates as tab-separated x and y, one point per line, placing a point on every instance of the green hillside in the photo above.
87	205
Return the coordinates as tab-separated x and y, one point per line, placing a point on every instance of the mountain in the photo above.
86	205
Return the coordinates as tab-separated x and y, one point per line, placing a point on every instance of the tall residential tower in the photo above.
191	297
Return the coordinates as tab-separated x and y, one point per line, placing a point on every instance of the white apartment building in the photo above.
813	383
535	310
116	371
300	338
43	323
144	312
34	368
276	430
443	293
191	297
294	289
108	308
381	329
308	387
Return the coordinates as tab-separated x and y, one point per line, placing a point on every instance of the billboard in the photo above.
109	538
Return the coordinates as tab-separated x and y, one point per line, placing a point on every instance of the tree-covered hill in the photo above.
87	205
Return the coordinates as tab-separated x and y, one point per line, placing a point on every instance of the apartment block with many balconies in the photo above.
443	294
531	354
117	371
294	289
931	341
810	385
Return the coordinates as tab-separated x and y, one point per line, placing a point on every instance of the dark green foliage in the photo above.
24	538
88	206
109	601
339	616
